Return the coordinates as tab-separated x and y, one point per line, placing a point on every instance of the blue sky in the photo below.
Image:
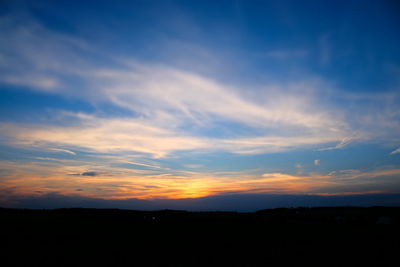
198	99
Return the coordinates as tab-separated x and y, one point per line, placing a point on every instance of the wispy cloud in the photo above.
104	135
35	57
396	151
109	181
172	107
118	135
343	143
62	150
167	110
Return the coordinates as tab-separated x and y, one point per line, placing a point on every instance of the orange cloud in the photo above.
99	181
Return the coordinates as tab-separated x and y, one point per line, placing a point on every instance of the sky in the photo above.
203	105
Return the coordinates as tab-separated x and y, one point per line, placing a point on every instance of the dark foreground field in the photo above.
278	237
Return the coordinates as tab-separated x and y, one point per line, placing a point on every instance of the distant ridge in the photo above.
349	214
333	236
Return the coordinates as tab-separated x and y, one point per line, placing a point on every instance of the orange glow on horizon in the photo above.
140	184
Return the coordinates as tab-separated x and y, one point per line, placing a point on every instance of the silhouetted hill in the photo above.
338	236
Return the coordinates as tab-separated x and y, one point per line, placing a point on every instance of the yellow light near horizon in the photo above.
121	183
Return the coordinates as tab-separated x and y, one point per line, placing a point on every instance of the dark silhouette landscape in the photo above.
334	236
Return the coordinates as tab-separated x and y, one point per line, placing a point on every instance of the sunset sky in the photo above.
103	102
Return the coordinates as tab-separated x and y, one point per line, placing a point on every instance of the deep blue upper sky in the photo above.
187	99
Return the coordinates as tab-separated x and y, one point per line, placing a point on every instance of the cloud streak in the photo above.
111	182
396	151
171	107
63	150
165	112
